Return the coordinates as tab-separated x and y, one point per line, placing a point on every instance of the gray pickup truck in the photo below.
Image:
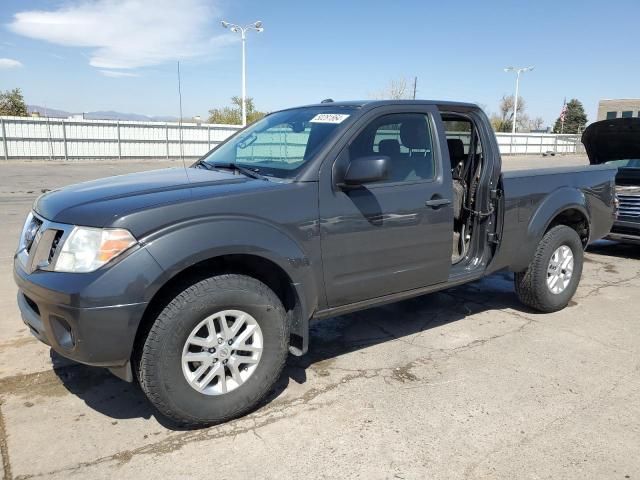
199	281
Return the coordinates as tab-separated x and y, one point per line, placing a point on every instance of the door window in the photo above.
406	139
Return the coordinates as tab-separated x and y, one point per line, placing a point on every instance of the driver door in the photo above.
394	235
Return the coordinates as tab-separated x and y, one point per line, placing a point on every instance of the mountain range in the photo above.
99	115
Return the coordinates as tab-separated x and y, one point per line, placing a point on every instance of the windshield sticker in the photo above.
329	118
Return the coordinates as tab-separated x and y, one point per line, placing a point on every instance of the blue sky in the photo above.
121	54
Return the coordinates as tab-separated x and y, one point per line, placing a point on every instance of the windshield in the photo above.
281	143
632	163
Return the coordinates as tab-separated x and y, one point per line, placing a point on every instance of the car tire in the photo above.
535	286
161	361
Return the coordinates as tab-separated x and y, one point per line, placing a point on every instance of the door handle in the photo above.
437	202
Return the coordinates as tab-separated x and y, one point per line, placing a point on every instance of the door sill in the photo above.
396	297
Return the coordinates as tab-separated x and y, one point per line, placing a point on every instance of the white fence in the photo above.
50	139
537	143
56	139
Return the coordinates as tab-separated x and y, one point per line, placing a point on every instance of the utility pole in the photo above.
415	86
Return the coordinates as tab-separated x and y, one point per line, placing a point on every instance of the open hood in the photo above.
617	139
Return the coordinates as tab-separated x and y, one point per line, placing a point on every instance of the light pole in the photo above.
257	26
515	100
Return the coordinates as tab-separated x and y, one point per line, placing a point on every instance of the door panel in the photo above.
383	238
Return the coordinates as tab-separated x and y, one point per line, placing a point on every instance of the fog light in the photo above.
62	332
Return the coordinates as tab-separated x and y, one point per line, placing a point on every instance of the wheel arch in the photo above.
259	267
239	245
565	206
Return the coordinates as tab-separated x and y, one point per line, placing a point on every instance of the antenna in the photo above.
180	125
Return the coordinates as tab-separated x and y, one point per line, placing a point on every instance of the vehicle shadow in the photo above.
615	249
330	339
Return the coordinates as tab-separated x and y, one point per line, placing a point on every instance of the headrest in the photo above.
413	133
456	150
389	147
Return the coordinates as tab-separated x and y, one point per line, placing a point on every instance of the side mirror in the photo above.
373	168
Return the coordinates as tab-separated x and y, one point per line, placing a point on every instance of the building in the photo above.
618	108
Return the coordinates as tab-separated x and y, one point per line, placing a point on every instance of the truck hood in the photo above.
99	202
617	139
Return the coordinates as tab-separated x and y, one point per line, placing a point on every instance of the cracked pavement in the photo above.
465	383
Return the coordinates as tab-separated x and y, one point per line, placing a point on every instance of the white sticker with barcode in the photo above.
329	118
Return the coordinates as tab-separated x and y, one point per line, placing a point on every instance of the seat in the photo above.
414	136
456	152
457	158
390	148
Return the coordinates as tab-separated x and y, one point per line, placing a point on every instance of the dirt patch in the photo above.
18	342
53	383
610	268
403	374
4	450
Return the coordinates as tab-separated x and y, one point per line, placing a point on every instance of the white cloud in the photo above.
127	33
118	73
9	63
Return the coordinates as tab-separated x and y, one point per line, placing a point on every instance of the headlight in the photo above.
29	231
87	249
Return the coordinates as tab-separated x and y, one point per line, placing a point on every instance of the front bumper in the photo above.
90	318
626	231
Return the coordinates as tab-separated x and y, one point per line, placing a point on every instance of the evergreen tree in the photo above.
574	119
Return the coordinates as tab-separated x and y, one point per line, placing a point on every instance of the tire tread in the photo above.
531	283
169	315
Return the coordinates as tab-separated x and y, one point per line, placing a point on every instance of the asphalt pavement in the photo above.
465	383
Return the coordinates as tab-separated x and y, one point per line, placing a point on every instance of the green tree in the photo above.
12	103
575	118
233	115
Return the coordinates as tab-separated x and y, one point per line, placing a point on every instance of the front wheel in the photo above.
215	350
552	277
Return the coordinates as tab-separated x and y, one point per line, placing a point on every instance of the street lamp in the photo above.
518	71
257	26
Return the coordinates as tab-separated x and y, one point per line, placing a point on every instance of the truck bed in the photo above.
533	198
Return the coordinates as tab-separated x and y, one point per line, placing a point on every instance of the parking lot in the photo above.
465	383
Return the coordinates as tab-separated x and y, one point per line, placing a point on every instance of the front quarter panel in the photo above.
278	224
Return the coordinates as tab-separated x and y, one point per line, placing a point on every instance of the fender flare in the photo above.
182	245
557	202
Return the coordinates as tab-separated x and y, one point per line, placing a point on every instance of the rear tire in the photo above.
166	374
553	275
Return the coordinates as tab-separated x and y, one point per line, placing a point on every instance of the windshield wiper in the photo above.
238	168
203	164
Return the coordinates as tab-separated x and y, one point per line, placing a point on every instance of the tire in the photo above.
160	359
531	285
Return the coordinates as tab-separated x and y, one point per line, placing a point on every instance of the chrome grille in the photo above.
39	243
629	206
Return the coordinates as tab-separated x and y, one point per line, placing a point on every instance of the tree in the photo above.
396	89
536	123
503	121
12	103
233	115
575	118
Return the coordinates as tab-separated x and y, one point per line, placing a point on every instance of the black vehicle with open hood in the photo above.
617	142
